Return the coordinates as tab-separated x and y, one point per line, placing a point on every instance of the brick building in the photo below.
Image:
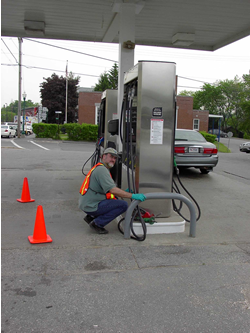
188	118
89	101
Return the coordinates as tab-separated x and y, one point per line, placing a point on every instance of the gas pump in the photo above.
107	121
148	132
146	128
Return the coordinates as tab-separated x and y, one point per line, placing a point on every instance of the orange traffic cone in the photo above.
25	192
39	234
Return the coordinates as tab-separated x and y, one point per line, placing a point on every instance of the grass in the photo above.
222	148
64	136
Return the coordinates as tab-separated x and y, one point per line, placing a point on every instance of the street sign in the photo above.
230	134
42	113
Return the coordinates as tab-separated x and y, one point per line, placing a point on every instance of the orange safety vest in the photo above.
85	185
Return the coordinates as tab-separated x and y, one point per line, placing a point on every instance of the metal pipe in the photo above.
19	86
161	195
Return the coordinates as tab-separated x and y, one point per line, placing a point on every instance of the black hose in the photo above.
129	153
135	237
178	210
95	157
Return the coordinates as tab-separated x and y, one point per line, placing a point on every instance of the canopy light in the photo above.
183	39
35	27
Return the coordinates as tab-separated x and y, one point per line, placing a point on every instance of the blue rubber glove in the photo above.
138	196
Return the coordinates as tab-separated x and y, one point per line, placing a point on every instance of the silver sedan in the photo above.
192	150
245	147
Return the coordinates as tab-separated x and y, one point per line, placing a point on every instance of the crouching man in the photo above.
98	194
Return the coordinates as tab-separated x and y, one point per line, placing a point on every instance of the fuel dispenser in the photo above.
146	128
108	122
148	122
108	118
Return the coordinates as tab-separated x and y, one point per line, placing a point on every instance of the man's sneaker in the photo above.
97	229
88	218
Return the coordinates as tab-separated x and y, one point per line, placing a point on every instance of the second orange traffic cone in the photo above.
25	197
39	234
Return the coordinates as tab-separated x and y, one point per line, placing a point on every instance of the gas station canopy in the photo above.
193	24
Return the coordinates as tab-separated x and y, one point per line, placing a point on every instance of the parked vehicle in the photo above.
245	147
216	132
28	130
193	150
8	131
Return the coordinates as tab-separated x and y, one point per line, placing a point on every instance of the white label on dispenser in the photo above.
156	132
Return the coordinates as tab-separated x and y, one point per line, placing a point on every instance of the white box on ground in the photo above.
170	225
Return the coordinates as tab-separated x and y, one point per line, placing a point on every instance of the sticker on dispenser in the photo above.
156	132
157	112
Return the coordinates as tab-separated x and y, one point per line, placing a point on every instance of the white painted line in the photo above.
39	145
12	141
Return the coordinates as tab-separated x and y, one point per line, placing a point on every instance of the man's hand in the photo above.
138	196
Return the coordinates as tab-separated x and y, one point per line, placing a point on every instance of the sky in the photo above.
90	60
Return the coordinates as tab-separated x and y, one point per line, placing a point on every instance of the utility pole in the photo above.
66	101
19	86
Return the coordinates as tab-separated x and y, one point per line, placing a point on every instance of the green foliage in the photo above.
113	76
43	130
209	137
53	94
229	98
186	93
9	111
108	80
83	132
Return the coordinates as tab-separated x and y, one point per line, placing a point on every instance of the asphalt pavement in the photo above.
85	282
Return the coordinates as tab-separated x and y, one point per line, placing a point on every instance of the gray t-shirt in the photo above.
100	183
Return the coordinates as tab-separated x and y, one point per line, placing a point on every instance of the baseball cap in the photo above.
111	151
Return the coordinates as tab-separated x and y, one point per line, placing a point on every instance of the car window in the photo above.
4	126
188	136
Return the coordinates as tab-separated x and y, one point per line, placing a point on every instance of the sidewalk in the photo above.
84	282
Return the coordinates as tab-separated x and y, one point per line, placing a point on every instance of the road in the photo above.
236	163
84	282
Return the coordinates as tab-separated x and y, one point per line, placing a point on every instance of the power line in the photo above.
63	48
187	78
9	50
49	69
189	87
71	62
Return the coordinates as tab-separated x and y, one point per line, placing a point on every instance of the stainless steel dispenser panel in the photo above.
110	113
154	132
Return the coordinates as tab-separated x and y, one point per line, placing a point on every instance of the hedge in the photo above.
209	137
43	130
76	132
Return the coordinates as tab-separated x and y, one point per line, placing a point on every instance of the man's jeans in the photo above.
107	211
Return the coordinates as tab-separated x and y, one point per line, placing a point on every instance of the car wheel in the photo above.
247	151
204	171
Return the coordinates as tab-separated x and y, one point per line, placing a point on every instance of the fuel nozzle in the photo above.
176	168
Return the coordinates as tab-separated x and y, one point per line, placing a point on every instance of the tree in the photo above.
9	111
229	98
53	95
108	80
245	105
197	104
